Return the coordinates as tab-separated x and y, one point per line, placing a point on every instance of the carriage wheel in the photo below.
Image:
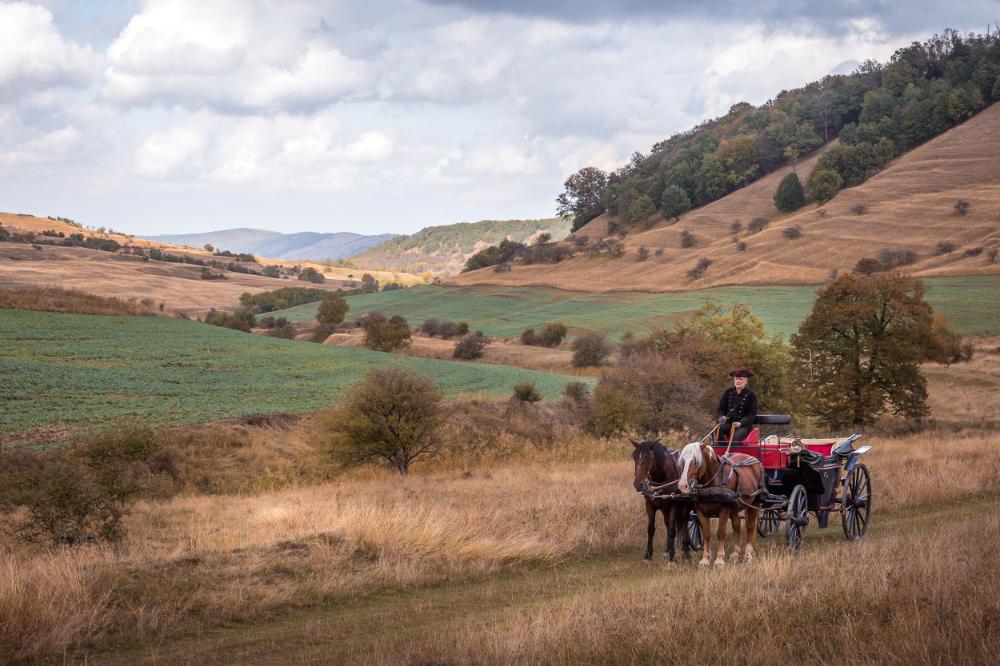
798	517
857	507
768	523
694	532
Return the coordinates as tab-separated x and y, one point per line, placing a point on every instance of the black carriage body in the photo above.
819	475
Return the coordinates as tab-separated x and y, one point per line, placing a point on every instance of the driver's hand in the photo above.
722	419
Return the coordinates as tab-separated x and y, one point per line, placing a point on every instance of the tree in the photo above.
369	284
209	248
789	195
310	274
332	310
674	202
583	199
383	334
590	349
471	346
392	415
640	208
824	185
857	354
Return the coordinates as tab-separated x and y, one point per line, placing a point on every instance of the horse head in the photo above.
694	463
644	457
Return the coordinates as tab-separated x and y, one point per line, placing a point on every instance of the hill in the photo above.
908	207
301	245
443	249
69	370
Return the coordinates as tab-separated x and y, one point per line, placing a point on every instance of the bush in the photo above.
502	267
471	346
279	299
741	247
207	274
791	233
241	320
992	255
446	329
962	207
321	333
643	253
332	310
551	336
790	195
688	239
369	284
590	350
391	416
285	332
659	252
868	266
973	251
640	208
699	268
383	334
757	224
859	209
310	274
79	494
392	286
526	392
735	227
944	247
891	258
576	391
824	185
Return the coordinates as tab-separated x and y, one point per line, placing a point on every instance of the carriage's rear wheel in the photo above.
798	517
768	523
857	507
694	532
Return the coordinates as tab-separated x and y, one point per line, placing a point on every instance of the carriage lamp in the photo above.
796	446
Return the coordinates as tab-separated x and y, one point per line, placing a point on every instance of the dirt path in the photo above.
346	631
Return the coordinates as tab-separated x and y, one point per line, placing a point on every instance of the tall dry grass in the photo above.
201	561
56	299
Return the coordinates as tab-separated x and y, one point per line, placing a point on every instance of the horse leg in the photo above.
753	514
669	521
737	549
720	556
706	553
650	531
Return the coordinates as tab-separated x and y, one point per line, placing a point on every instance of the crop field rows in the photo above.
82	370
972	304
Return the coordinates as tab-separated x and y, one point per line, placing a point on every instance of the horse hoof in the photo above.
720	564
734	558
671	565
705	564
748	559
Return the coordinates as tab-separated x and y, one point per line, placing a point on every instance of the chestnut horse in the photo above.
656	464
738	472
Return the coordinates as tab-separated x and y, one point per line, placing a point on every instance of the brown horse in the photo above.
656	464
738	472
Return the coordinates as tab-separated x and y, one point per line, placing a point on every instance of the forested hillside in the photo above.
878	112
444	249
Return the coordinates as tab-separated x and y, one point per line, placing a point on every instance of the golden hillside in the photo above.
910	206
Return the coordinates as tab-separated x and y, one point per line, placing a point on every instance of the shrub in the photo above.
735	227
992	255
208	274
859	209
383	334
321	333
581	241
391	416
688	239
590	350
576	391
285	332
79	494
279	299
446	329
790	195
505	252
643	253
757	224
369	284
741	247
551	336
962	207
659	252
699	268
471	346
502	267
973	252
332	310
392	286
791	233
310	274
526	392
868	266
640	208
241	320
944	247
824	185
892	258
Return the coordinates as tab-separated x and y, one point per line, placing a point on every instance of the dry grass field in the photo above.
201	578
910	205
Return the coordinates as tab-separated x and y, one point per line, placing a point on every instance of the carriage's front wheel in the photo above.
768	523
694	532
798	517
857	507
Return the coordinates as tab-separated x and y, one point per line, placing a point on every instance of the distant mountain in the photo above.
444	249
302	245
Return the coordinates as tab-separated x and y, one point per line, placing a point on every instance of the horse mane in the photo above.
659	456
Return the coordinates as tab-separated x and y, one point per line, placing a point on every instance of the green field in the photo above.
86	370
971	303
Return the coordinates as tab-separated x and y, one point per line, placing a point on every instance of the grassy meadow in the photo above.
69	370
971	303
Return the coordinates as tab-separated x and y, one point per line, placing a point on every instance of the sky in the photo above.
177	116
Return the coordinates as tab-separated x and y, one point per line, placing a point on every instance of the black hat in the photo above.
741	372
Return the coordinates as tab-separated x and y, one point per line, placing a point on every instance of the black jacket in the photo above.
742	407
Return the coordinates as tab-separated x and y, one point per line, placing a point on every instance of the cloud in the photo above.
34	56
165	153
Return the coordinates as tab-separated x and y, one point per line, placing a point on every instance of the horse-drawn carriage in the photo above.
800	475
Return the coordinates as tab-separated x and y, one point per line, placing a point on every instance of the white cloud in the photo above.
165	153
34	56
45	147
